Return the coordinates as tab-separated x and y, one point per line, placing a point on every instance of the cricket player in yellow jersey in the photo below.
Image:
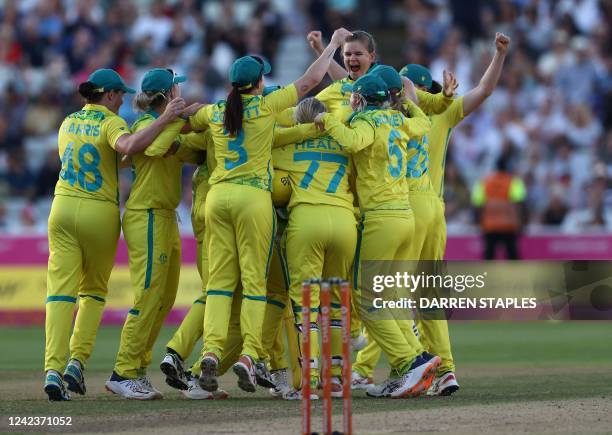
84	224
321	235
359	57
239	212
423	202
151	233
435	332
191	328
377	138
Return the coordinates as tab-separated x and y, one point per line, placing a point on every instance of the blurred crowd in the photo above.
550	115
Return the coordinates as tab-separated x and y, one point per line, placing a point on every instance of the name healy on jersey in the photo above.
321	143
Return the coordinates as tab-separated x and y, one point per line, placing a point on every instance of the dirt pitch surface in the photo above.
499	400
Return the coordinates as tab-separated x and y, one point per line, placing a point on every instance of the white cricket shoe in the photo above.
172	367
444	385
147	385
297	395
129	388
359	382
195	392
281	382
244	368
383	389
417	379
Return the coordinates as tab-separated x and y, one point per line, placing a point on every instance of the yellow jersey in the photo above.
441	128
246	158
337	98
157	181
86	145
418	165
318	166
378	138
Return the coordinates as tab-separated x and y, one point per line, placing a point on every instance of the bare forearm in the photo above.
315	73
137	142
493	73
335	70
474	98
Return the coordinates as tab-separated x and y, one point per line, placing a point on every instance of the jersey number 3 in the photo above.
88	175
236	145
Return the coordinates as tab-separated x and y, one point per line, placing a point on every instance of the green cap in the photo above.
108	80
418	74
160	80
371	87
388	75
245	71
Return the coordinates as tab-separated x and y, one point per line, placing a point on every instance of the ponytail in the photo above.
232	120
88	91
145	101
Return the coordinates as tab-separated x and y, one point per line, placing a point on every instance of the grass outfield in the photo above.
532	377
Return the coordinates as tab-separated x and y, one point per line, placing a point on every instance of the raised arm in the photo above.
335	70
433	104
315	73
474	98
135	143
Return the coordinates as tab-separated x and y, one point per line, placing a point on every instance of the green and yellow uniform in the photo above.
192	326
84	228
151	232
240	217
321	234
430	226
434	333
377	138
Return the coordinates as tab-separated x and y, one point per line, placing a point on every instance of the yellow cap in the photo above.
281	188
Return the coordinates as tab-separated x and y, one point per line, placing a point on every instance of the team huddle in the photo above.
287	189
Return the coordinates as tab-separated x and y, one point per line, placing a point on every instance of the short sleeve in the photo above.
282	99
115	127
201	119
